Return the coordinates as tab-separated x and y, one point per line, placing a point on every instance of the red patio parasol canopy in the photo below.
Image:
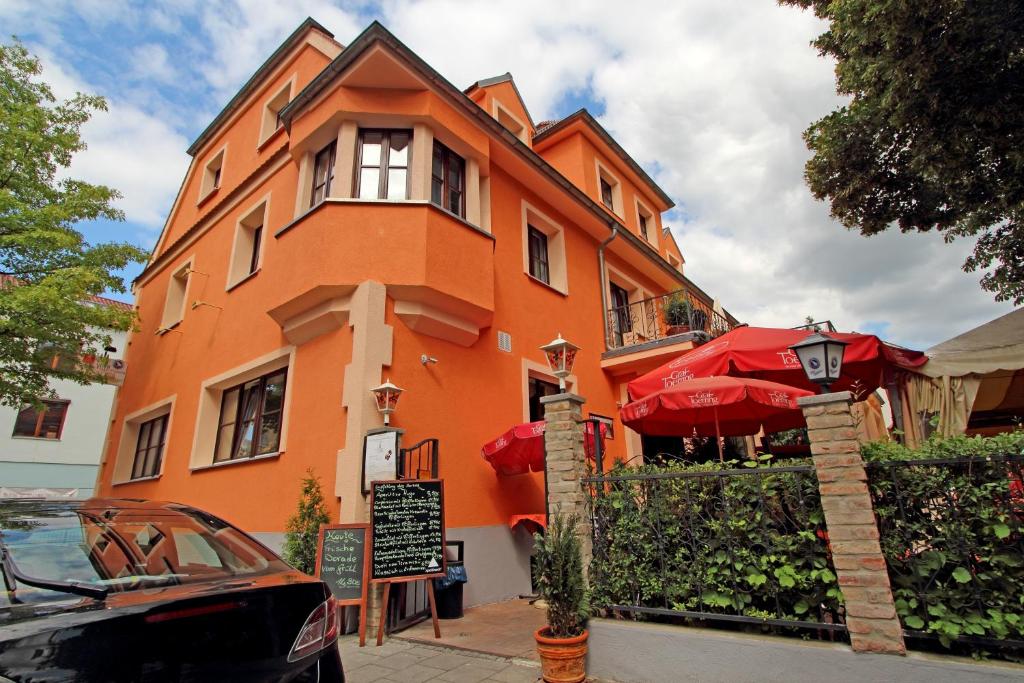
712	406
763	353
521	448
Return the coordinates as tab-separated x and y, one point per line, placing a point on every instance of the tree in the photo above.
48	272
303	527
933	135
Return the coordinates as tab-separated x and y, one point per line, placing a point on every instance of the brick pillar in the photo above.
565	463
853	534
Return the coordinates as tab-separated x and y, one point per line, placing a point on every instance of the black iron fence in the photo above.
952	533
695	544
662	316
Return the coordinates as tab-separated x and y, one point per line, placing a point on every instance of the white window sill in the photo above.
152	477
245	279
55	439
547	285
236	461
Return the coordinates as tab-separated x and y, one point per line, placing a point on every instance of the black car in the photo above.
130	590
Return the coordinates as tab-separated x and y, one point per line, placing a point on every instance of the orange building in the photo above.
351	216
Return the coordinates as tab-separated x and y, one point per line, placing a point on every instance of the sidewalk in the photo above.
407	662
504	629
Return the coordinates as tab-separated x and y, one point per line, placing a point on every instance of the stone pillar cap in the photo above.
823	399
567	396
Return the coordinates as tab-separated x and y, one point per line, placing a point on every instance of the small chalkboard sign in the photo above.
342	562
407	519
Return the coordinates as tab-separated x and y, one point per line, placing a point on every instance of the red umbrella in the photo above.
521	448
710	405
763	353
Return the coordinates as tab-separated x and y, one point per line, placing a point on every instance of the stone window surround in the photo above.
542	371
268	122
174	310
505	117
558	278
346	132
652	222
241	247
125	456
216	162
603	171
208	411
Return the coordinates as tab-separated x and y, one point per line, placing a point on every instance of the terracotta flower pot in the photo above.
677	329
562	660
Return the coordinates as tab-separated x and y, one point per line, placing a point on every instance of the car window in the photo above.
128	549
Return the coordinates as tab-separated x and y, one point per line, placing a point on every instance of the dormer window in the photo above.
606	195
610	190
646	224
323	174
643	228
448	180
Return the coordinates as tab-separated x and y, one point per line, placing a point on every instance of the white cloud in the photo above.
151	63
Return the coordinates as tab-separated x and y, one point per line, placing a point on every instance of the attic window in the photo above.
508	119
609	190
272	112
646	223
675	263
212	175
174	304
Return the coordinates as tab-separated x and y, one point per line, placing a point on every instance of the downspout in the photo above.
603	274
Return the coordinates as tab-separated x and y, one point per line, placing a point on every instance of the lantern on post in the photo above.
821	357
561	355
386	396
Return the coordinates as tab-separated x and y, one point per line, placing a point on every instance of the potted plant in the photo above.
677	314
562	644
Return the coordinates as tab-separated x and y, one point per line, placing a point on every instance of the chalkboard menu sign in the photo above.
407	519
341	560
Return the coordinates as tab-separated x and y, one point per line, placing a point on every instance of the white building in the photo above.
57	452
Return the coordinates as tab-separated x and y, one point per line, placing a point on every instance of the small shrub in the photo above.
303	527
559	559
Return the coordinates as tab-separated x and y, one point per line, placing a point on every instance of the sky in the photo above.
710	96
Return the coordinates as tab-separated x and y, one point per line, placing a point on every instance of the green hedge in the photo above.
952	535
740	544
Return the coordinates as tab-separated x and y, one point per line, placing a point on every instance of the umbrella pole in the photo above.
718	438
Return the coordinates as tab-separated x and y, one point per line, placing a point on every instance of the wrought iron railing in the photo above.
819	326
952	533
662	316
744	545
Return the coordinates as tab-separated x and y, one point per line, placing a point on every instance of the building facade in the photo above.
56	451
352	217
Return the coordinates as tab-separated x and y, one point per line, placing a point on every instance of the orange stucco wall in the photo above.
419	253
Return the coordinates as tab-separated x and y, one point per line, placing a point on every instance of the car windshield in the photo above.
128	548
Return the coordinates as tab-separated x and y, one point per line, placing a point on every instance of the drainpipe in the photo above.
604	281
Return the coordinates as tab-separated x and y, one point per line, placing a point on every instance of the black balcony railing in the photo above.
663	316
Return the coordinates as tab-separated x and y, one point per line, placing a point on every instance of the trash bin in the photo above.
448	590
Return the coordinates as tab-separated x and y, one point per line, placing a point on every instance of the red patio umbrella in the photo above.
763	353
521	448
710	406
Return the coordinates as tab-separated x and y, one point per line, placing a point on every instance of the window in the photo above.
149	448
250	418
538	388
621	313
41	424
643	228
245	254
272	112
323	174
606	195
174	305
447	180
383	164
538	254
212	175
675	263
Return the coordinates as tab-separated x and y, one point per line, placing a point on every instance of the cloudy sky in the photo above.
710	96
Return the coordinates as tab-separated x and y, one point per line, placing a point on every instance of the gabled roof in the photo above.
250	85
584	116
504	78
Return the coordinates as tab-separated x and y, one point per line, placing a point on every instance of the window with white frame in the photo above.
250	418
248	244
174	303
149	447
212	175
272	111
544	256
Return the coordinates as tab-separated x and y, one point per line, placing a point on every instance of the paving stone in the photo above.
368	674
417	673
355	660
467	673
401	660
448	660
515	673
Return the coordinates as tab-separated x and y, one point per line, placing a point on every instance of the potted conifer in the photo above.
677	314
562	644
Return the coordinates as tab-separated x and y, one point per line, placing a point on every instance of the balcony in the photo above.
642	334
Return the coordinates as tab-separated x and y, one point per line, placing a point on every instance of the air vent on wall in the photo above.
504	342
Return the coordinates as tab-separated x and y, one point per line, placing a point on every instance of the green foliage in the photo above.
559	562
303	527
677	310
47	269
931	137
736	545
952	535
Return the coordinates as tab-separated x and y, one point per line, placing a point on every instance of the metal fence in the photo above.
648	320
951	533
746	545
